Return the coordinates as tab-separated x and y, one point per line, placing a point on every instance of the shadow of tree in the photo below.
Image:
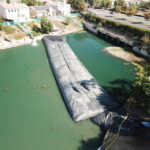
120	19
93	143
90	144
120	90
136	22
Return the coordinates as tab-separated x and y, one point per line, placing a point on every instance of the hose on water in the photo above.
114	138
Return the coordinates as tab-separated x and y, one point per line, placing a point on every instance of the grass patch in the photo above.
18	37
36	33
8	30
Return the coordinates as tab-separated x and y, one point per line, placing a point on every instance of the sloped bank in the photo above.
81	92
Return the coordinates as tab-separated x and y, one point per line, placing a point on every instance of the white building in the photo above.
62	8
11	1
17	12
40	11
52	8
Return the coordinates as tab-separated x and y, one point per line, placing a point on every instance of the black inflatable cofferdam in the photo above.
81	92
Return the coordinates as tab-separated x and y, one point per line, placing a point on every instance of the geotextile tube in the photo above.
81	92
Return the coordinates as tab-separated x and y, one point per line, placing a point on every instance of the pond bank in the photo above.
15	43
27	40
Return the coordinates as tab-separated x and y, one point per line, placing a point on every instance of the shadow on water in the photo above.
90	144
93	143
120	90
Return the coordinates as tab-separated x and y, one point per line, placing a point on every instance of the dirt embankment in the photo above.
123	54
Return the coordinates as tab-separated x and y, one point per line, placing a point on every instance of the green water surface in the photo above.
113	74
33	115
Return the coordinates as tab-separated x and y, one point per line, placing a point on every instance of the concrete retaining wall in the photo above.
120	41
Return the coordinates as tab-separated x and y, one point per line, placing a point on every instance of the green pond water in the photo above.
113	74
33	115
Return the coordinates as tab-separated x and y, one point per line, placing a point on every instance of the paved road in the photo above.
130	20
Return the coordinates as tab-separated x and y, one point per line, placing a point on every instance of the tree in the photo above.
147	15
124	7
40	3
78	5
81	6
8	1
119	3
100	3
131	11
109	4
144	6
46	25
1	23
142	89
117	9
93	3
29	2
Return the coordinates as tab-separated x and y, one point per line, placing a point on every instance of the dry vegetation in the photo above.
10	33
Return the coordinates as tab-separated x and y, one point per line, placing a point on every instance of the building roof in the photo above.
16	5
41	7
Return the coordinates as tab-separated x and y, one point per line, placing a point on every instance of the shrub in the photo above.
145	38
8	30
142	89
131	12
31	24
117	9
46	25
124	7
40	3
147	15
36	28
